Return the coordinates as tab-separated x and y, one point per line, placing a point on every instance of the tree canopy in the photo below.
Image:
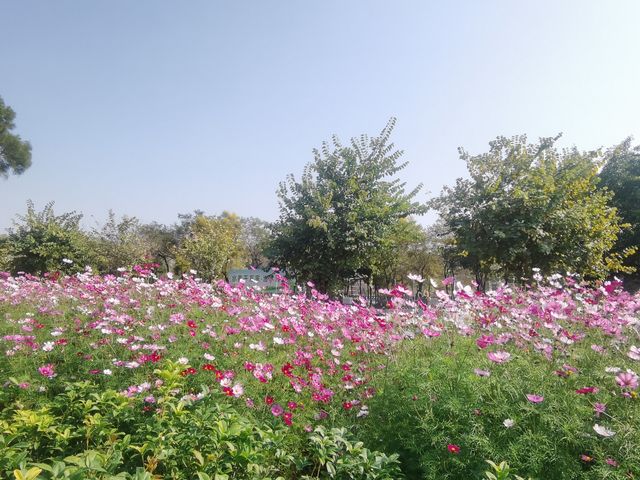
43	242
337	216
212	246
15	153
531	206
621	175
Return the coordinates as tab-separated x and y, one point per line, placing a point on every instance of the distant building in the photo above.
260	278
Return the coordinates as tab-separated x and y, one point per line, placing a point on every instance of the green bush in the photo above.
90	432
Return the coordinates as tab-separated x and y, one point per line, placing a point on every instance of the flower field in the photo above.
135	376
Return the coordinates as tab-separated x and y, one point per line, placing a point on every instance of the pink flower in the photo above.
455	449
277	410
499	356
448	281
47	370
482	373
634	353
485	340
627	380
585	390
534	398
599	408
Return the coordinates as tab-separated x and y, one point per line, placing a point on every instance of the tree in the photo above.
334	220
118	244
531	206
255	237
212	246
162	243
15	153
621	175
408	249
44	242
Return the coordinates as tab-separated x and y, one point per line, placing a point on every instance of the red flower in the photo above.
455	449
268	399
287	370
585	390
347	405
287	418
208	367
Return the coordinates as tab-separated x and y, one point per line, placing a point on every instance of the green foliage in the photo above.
15	153
407	248
212	246
530	205
500	472
87	432
255	238
118	244
431	397
44	242
334	220
621	175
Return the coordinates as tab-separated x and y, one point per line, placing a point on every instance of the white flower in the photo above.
237	390
208	356
603	431
415	277
278	341
433	283
364	411
67	261
48	346
183	360
106	371
508	423
612	369
634	353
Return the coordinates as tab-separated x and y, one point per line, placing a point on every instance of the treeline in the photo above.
525	207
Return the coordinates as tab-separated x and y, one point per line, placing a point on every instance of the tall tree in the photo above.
212	246
621	175
119	243
530	205
255	237
15	153
333	221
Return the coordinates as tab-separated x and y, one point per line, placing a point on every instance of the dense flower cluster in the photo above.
295	356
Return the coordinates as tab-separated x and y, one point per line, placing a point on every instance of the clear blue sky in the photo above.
152	108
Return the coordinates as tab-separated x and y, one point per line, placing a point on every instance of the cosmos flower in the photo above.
499	356
455	449
533	398
628	380
603	431
47	370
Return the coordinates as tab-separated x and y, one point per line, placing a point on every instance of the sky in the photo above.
153	108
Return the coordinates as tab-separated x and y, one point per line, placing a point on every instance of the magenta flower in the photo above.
586	390
47	370
627	380
599	408
277	410
499	356
485	340
534	398
482	373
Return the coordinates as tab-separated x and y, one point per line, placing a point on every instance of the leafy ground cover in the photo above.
134	376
